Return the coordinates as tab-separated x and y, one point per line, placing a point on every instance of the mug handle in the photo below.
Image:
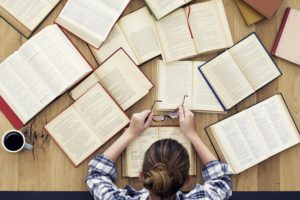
28	146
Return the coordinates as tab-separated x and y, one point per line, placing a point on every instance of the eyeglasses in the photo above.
171	115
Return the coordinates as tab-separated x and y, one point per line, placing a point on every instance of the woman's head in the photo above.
165	167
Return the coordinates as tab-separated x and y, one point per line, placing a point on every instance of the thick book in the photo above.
250	15
135	33
176	79
240	71
196	29
42	69
87	124
266	7
159	9
287	43
134	154
91	20
25	16
123	80
255	134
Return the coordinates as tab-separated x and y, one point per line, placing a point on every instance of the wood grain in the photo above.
48	169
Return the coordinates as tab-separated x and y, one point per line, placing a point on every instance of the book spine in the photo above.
10	114
284	20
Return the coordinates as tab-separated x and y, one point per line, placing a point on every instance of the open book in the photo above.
26	15
134	154
195	29
240	71
287	43
87	124
135	33
42	69
91	20
255	134
123	80
174	80
160	8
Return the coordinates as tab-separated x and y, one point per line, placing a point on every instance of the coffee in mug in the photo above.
14	141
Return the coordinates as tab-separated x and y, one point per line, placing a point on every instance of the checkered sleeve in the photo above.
217	185
99	180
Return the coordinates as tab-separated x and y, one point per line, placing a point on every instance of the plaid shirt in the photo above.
102	173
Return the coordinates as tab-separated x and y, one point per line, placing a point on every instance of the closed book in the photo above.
265	7
250	15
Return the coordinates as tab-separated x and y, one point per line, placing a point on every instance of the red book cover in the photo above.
10	114
265	7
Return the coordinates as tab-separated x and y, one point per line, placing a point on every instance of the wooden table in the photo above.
47	168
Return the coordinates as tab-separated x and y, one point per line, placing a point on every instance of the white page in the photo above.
29	12
208	28
203	98
123	80
160	8
101	113
254	62
227	79
62	54
275	123
16	94
174	80
136	150
114	41
88	19
72	135
139	30
241	141
174	37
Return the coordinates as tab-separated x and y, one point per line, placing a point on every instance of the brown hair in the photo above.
165	167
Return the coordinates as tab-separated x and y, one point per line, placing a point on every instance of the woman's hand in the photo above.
139	123
187	122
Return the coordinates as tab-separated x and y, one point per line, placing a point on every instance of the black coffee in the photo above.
13	141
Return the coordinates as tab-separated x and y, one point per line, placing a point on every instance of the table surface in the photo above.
48	169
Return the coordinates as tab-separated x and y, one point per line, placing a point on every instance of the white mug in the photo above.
13	141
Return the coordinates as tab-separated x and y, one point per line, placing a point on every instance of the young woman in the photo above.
165	167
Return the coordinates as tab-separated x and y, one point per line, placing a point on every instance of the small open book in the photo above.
134	154
87	124
26	15
255	134
123	80
91	20
43	68
240	71
174	80
135	33
159	8
195	29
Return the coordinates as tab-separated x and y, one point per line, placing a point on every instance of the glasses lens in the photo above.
158	118
173	114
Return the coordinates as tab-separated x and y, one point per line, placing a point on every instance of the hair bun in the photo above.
160	179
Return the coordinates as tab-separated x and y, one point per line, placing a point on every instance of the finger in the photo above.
181	113
144	114
149	120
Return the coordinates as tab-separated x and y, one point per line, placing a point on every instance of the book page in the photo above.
161	8
72	135
29	12
241	140
135	151
123	80
174	80
138	28
255	63
174	37
114	41
175	134
99	111
275	124
117	5
220	72
14	91
90	20
202	97
209	26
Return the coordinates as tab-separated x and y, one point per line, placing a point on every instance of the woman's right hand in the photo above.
187	122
